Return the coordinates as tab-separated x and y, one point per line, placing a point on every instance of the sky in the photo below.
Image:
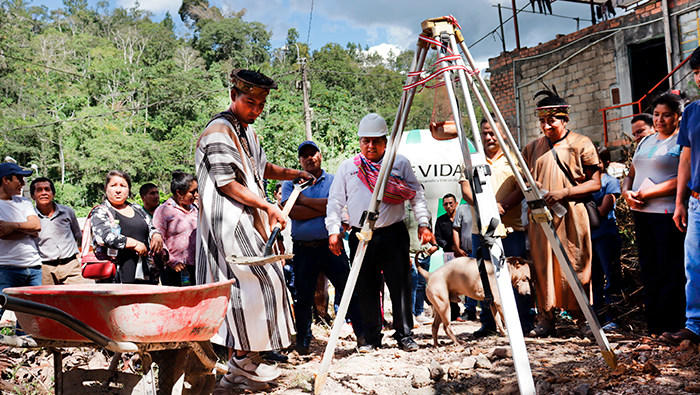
382	25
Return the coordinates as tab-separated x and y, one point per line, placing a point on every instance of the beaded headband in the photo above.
238	82
546	111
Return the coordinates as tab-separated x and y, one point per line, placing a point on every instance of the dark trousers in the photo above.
606	276
309	261
660	246
168	276
387	252
513	245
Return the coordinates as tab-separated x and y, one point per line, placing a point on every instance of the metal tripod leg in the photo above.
486	209
535	200
365	235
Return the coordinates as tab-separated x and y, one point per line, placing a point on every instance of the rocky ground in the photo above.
562	365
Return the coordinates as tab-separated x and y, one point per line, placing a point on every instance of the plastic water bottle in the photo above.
557	207
116	229
184	277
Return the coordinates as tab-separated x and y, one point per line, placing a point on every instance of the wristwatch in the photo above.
425	225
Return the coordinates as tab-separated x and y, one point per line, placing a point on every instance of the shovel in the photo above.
267	256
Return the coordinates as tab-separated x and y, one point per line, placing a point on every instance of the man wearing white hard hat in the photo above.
387	252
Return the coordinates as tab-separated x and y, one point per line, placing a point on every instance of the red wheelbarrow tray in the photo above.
129	312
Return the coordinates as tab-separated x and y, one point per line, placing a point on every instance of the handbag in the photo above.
93	266
588	202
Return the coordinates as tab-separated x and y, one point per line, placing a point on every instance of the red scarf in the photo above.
397	190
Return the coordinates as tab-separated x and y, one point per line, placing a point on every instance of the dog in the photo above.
460	276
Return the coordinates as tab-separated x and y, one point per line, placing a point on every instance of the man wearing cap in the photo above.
20	263
59	237
311	253
236	219
387	251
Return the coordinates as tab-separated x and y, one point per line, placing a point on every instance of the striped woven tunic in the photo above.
259	314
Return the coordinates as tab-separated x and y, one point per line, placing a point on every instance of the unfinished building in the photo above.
608	64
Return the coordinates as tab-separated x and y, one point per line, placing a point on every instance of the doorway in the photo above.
648	67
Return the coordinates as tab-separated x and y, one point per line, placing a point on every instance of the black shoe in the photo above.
275	356
484	331
408	344
302	347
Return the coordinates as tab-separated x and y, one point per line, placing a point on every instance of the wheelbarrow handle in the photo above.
42	310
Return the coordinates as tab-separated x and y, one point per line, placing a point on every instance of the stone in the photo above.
502	352
483	362
542	387
651	369
467	363
582	389
436	370
420	378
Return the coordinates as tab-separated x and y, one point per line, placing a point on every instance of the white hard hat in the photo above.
372	125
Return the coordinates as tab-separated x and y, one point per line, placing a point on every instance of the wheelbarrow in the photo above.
170	326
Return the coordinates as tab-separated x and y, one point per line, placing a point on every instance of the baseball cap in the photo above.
9	168
372	125
306	144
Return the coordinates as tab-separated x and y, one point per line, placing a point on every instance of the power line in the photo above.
112	112
498	27
358	74
311	13
37	64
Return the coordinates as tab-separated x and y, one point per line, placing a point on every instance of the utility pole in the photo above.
304	86
515	23
305	91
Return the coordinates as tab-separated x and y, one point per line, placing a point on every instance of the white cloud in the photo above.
383	50
155	6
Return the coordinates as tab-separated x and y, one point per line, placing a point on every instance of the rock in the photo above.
421	378
582	389
436	370
502	352
483	362
688	345
694	388
542	387
651	369
467	363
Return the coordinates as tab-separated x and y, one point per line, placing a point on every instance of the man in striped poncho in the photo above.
236	219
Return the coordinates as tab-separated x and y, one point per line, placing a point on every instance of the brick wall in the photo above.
585	79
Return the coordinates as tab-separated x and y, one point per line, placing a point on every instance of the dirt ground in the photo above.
564	365
561	365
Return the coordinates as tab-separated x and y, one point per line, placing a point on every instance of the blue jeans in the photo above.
692	267
513	245
419	285
308	263
606	276
11	276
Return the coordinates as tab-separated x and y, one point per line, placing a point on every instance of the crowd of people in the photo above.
224	211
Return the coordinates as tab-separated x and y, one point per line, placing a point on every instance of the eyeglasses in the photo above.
448	204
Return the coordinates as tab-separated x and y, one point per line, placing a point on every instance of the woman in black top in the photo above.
125	230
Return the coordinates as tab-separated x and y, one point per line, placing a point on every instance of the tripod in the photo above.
444	35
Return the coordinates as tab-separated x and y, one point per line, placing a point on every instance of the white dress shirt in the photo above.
348	190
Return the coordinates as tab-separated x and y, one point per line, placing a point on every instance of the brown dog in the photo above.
460	276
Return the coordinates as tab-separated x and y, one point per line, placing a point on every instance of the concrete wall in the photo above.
584	66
